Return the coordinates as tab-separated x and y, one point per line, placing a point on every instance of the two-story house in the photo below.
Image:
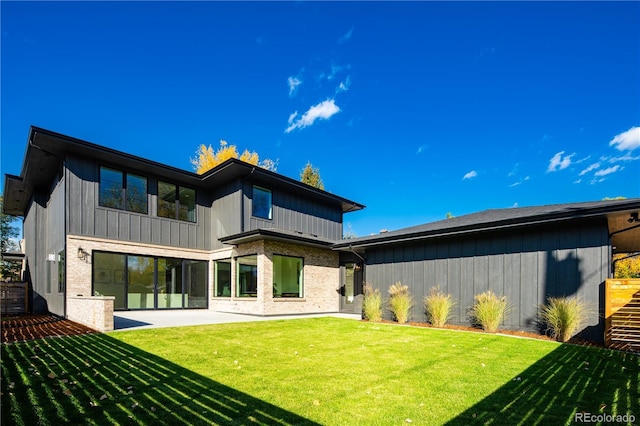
100	223
105	228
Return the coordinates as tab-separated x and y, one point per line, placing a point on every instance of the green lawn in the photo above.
311	371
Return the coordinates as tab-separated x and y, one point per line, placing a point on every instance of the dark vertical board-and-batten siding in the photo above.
526	266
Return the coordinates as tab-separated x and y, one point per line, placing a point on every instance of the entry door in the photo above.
351	288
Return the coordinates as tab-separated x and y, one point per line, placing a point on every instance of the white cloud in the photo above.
421	149
626	157
344	85
470	175
628	140
590	168
520	182
558	162
322	111
608	170
294	82
346	37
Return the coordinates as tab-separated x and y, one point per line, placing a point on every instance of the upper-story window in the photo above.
262	203
124	191
176	202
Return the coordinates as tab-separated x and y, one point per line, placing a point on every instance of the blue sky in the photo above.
414	109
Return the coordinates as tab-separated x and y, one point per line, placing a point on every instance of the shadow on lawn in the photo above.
604	381
94	379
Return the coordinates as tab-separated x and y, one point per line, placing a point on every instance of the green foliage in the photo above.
627	266
437	306
489	310
371	303
563	316
400	302
8	233
311	176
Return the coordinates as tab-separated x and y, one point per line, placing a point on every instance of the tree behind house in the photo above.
311	176
207	158
7	233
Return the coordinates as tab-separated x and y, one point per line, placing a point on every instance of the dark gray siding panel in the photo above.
226	212
292	212
44	234
86	217
527	266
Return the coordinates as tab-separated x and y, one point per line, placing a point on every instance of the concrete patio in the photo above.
130	320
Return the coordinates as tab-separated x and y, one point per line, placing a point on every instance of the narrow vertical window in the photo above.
262	205
247	276
61	272
136	193
166	200
111	188
222	278
187	204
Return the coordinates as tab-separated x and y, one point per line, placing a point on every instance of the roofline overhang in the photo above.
552	218
275	235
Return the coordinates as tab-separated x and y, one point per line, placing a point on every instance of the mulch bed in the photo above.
19	328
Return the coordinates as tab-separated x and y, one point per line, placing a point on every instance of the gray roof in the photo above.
46	150
505	218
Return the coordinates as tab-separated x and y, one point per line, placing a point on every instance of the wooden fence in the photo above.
14	297
622	313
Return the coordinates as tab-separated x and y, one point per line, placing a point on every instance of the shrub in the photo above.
400	302
563	316
489	310
371	303
437	306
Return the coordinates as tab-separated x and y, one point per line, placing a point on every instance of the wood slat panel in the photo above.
622	313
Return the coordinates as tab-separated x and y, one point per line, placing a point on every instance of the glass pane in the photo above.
61	270
140	271
247	276
287	276
136	193
261	202
166	200
196	284
223	278
108	277
187	209
348	283
169	283
110	188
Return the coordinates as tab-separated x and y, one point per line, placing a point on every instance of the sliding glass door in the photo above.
145	282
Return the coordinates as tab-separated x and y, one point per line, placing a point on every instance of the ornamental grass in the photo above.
489	310
437	307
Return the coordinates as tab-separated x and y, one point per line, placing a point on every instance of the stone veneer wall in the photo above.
321	281
94	312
